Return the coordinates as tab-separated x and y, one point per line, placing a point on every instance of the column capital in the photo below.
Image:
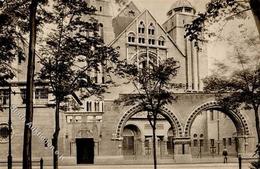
182	140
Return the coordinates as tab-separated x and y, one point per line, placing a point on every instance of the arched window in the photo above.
101	30
131	37
161	41
151	29
141	27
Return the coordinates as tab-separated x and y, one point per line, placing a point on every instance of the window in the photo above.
211	115
101	30
195	143
161	41
201	142
178	9
212	142
195	135
100	8
78	119
224	142
141	28
41	94
151	41
89	106
69	119
141	40
229	141
131	37
96	106
4	96
151	29
23	95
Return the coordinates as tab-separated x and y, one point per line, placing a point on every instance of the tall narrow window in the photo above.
141	27
131	37
23	95
4	96
161	41
97	106
211	115
89	106
101	30
151	29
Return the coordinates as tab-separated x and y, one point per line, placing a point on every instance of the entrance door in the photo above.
85	150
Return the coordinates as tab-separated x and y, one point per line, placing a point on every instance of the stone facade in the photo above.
111	132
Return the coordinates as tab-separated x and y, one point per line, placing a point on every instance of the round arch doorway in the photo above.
213	129
131	140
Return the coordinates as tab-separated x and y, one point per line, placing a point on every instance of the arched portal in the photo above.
166	113
131	140
212	129
237	118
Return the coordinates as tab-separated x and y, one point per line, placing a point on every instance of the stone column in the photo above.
241	144
143	146
182	150
165	152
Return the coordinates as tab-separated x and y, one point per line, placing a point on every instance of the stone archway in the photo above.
237	118
172	119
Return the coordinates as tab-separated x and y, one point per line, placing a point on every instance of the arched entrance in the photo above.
85	147
170	141
211	129
131	140
136	133
166	113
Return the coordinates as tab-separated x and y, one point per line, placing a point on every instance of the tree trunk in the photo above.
56	136
154	146
257	130
27	144
255	6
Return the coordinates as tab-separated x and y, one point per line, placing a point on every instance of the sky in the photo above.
159	8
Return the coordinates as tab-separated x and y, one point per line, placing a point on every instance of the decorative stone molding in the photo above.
238	119
173	120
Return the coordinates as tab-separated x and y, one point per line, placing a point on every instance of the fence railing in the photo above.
40	162
247	159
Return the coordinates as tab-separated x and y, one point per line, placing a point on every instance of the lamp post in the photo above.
9	158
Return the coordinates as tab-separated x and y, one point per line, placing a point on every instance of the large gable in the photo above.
148	21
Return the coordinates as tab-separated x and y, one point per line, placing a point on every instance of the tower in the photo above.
104	17
180	14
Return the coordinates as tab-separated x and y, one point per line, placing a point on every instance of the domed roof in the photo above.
181	4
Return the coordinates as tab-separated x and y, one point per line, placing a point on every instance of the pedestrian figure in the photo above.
225	154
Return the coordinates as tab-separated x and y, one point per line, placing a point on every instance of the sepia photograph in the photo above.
129	84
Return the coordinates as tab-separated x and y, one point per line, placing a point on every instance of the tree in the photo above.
153	83
240	87
73	52
19	18
217	10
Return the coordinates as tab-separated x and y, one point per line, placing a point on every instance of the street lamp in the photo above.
9	157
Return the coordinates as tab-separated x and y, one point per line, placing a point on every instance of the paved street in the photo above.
179	166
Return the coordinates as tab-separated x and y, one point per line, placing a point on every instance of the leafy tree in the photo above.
238	85
217	10
17	19
72	53
153	84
